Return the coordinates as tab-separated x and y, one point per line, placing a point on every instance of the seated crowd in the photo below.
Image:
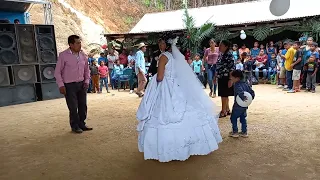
114	70
290	65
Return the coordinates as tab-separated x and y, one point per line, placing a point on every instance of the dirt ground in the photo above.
36	142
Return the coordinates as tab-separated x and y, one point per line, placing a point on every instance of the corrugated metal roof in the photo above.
222	15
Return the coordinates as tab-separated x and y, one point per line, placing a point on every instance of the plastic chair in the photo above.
124	77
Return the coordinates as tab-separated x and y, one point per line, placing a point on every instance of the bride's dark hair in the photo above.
166	41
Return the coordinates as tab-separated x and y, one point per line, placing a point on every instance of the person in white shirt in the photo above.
131	57
112	57
239	65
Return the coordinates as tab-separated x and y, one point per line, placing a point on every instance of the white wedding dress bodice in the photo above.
170	127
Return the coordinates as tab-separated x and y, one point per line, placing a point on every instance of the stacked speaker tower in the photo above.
28	57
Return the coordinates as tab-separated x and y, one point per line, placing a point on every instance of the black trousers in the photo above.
304	79
76	98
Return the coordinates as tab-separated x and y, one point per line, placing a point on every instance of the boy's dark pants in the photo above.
239	113
248	77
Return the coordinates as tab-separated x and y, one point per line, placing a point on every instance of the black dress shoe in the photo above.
86	128
77	130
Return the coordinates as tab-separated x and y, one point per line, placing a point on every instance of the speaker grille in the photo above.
24	74
4	76
26	43
17	95
50	91
6	96
8	45
24	94
47	73
46	44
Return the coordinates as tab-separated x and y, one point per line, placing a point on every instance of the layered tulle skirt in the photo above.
171	128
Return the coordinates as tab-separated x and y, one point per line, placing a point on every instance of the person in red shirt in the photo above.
187	55
104	73
261	61
123	58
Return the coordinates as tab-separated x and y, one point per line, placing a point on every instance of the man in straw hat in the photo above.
140	69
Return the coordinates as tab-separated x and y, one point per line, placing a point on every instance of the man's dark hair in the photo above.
287	43
315	44
16	21
237	74
298	43
72	39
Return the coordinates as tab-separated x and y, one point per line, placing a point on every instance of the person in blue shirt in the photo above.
305	57
248	64
240	87
313	51
271	50
255	50
235	53
117	72
102	58
198	67
90	59
272	66
140	68
263	48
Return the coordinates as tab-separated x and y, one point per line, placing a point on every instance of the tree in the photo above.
194	36
177	4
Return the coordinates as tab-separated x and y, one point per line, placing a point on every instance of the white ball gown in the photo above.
176	117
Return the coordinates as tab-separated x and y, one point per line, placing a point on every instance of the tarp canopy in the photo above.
224	15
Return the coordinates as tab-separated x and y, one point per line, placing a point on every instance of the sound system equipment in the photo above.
24	74
26	43
50	91
8	45
28	55
4	76
47	73
46	44
17	94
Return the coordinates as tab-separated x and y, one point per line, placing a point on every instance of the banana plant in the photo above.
193	36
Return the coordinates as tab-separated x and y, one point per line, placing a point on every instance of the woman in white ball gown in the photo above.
176	117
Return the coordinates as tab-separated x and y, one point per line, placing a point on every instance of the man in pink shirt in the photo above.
72	75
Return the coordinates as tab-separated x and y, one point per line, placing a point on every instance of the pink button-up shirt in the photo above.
72	68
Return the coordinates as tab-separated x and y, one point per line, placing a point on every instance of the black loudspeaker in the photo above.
26	43
17	95
46	44
24	74
8	45
50	91
47	73
4	76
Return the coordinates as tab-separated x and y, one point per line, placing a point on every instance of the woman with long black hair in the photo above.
225	65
